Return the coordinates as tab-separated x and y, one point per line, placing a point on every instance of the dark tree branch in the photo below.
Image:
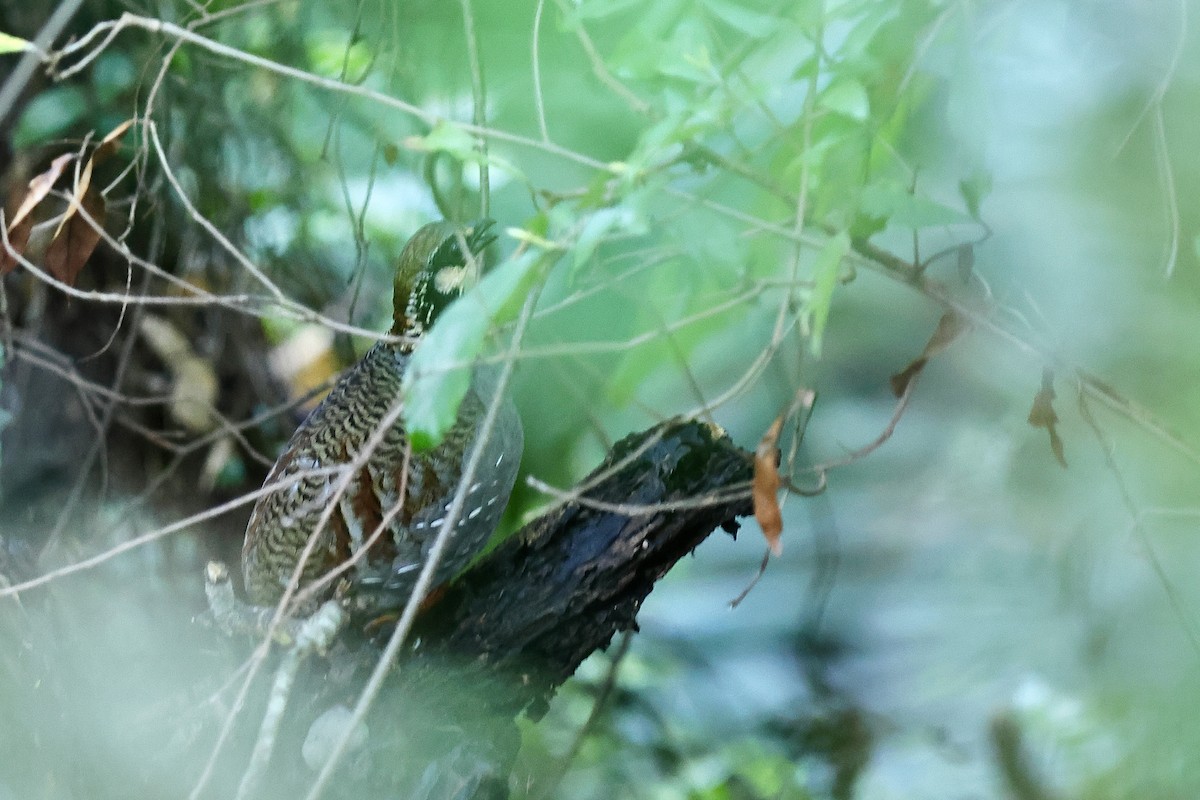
559	590
507	634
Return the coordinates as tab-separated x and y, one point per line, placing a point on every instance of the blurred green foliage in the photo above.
710	171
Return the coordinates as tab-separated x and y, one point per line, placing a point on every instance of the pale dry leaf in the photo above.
78	195
193	394
167	342
110	143
194	384
306	361
39	187
222	451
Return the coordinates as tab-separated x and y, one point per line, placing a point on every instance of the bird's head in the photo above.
438	264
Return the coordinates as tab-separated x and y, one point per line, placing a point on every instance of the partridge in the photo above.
396	501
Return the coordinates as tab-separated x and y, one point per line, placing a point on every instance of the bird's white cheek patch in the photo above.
449	279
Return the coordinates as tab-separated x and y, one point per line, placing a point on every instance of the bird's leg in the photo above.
233	615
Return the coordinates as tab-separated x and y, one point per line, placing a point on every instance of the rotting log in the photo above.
509	631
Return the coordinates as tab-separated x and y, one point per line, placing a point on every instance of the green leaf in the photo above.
599	225
688	56
12	44
599	9
446	137
847	97
635	370
113	74
330	54
440	371
899	207
751	23
232	474
825	278
973	189
49	114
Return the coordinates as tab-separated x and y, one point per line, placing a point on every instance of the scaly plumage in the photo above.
431	273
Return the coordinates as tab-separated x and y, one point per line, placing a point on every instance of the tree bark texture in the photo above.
506	635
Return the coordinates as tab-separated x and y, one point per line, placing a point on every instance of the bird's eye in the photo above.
449	280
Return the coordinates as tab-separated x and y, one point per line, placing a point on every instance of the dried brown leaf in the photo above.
1056	446
18	239
75	240
1042	415
39	187
82	194
765	487
902	379
949	328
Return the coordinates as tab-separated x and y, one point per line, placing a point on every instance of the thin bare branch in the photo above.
1183	615
539	98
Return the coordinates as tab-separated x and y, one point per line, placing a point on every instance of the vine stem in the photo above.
479	92
152	25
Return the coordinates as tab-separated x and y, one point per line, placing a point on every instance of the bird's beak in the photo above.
479	235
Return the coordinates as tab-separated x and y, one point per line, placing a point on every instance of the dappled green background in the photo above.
951	585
